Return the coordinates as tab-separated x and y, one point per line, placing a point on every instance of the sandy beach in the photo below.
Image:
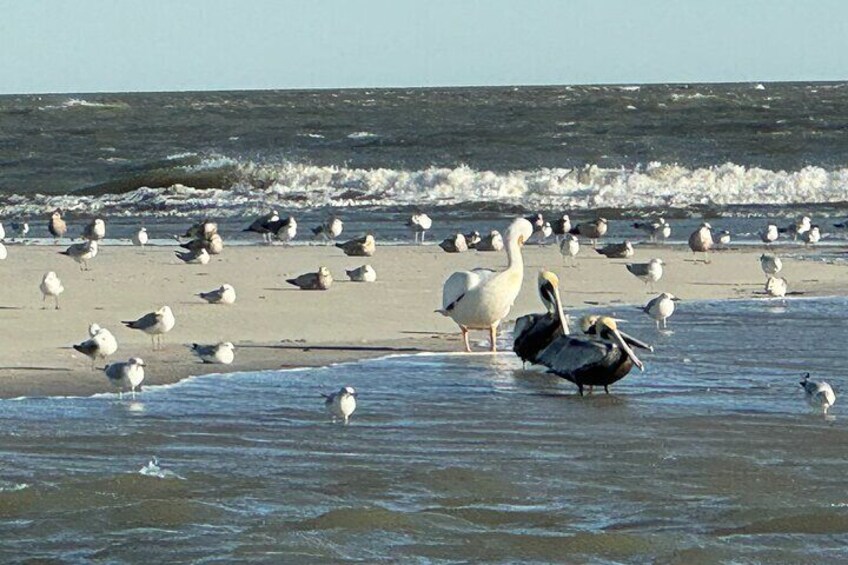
274	325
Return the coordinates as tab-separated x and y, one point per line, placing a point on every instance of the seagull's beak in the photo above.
622	343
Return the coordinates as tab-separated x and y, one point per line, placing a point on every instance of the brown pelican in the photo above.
479	299
584	361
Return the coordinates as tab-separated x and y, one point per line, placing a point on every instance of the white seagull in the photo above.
95	231
140	238
155	324
341	404
419	223
776	287
82	253
226	294
127	374
100	344
661	308
365	273
481	298
51	286
819	394
570	247
770	234
222	353
649	272
770	264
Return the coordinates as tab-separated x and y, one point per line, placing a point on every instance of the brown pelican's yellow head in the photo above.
607	328
548	287
587	323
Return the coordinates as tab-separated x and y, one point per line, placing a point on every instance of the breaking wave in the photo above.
230	188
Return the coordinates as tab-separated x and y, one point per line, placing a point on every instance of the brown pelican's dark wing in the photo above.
532	334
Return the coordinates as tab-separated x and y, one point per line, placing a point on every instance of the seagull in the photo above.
329	230
155	324
3	252
222	353
592	230
776	287
819	394
100	344
128	374
322	280
264	225
2	232
560	227
812	236
213	244
570	247
491	242
199	257
473	239
419	223
51	286
657	229
140	238
341	404
226	294
701	241
481	298
57	226
661	308
95	230
21	228
365	273
617	250
82	253
455	244
537	221
724	238
770	234
202	230
649	272
770	264
797	228
364	246
285	230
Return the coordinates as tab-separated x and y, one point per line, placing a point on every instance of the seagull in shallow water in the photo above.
819	394
776	287
770	234
341	404
661	308
264	225
128	374
419	223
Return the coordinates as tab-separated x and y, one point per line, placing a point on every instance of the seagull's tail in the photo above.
63	253
292	282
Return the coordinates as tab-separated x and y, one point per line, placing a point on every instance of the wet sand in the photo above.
274	325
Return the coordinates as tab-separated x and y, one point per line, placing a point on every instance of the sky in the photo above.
166	45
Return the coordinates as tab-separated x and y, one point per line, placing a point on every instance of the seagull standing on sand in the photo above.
770	264
661	308
657	229
95	231
140	237
100	344
419	223
365	273
322	280
819	394
455	244
341	404
226	294
777	287
155	324
570	247
491	242
481	298
591	230
129	374
724	238
82	253
561	226
219	354
285	230
770	234
57	226
701	241
21	229
617	250
264	225
649	272
51	286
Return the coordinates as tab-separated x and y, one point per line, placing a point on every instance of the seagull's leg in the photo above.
153	342
132	393
465	338
43	300
57	301
658	325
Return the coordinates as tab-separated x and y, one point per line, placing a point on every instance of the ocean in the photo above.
709	456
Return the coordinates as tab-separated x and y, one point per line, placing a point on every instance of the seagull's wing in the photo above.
146	321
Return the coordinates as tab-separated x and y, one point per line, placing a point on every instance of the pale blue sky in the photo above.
132	45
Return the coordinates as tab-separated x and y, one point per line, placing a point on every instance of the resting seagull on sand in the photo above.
222	353
226	294
322	280
479	299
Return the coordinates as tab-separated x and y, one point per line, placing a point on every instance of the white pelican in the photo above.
481	298
341	404
819	394
51	286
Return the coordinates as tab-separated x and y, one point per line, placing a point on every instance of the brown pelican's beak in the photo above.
563	321
622	343
632	341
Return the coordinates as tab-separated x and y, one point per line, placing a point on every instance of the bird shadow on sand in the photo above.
306	347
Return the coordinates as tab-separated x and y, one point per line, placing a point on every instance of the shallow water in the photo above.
711	455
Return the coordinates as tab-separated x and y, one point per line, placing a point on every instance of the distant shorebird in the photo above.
797	228
155	324
222	353
617	250
365	273
455	244
491	242
202	230
819	394
561	226
649	272
51	286
724	237
213	244
537	221
226	294
129	374
419	223
329	230
770	264
82	253
322	280
591	230
812	236
264	225
570	247
95	230
285	230
21	229
657	230
661	308
364	246
544	233
701	241
769	234
473	239
776	287
341	404
57	226
479	299
100	344
199	257
140	237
